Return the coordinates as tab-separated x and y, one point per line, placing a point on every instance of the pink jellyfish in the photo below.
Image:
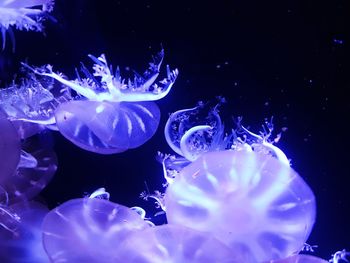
252	202
88	230
111	115
23	244
24	15
10	147
174	244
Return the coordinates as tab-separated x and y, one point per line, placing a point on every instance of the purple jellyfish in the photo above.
88	230
110	114
252	202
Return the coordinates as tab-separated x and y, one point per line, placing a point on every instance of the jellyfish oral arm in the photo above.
115	89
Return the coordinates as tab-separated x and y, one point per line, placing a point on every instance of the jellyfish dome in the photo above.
252	202
173	244
88	230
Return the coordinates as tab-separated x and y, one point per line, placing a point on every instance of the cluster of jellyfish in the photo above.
230	197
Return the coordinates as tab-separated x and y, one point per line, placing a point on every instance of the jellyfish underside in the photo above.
253	203
88	230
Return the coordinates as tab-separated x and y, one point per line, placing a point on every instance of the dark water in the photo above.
286	59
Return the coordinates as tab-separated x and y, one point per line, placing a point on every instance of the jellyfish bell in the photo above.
88	230
106	128
250	201
10	147
173	244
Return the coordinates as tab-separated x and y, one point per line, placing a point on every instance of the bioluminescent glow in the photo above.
111	115
250	201
23	15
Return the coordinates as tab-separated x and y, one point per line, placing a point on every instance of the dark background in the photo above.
286	59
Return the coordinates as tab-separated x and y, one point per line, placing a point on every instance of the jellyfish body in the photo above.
88	230
252	202
22	14
192	132
110	114
173	244
10	147
105	127
24	243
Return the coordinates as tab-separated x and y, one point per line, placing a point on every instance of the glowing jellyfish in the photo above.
111	115
24	15
252	202
88	230
24	243
170	243
10	147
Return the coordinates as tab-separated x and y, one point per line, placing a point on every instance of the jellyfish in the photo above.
24	243
194	131
24	15
88	230
111	115
173	244
252	202
10	147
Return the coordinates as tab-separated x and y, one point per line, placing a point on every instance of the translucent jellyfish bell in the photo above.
106	127
88	230
10	147
174	244
252	202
